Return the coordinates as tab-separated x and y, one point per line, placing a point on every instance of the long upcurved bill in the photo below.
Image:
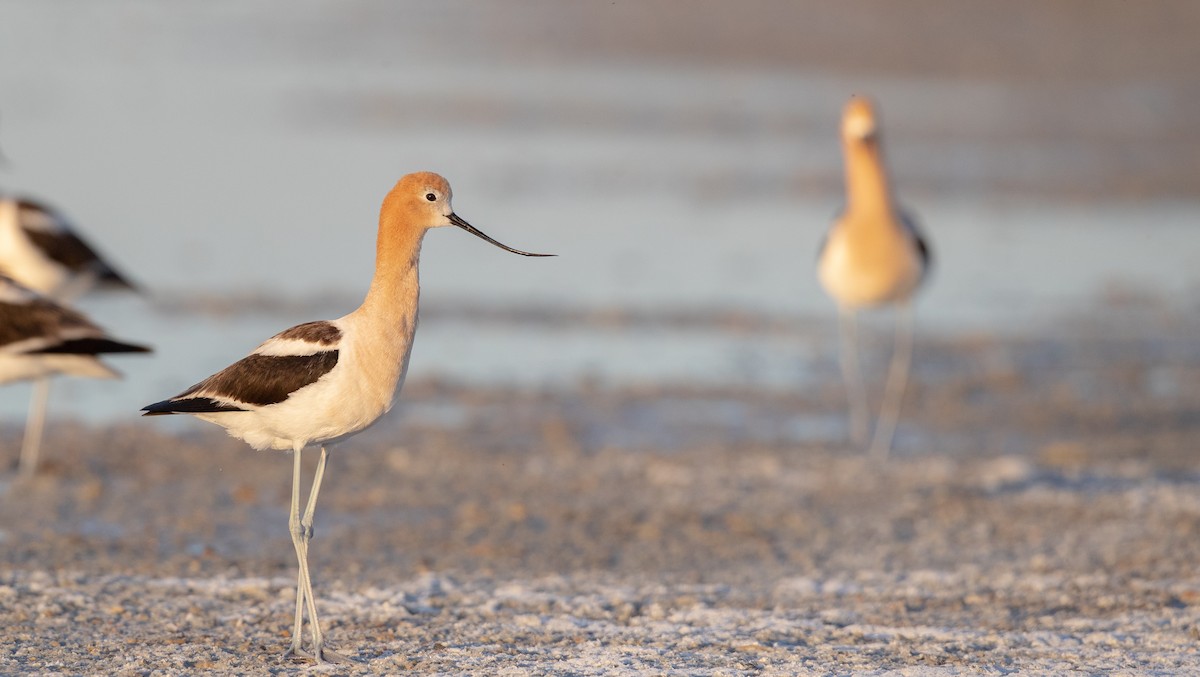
456	220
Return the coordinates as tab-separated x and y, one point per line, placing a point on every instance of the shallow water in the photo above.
216	152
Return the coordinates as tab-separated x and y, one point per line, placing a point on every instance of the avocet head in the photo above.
860	122
426	196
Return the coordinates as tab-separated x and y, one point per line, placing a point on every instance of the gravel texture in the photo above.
1041	513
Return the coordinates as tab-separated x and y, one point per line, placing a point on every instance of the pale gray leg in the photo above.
856	394
298	543
893	396
302	532
306	523
31	446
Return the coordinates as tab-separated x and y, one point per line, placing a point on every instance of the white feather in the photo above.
22	260
278	347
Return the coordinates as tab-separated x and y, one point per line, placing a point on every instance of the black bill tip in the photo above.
458	221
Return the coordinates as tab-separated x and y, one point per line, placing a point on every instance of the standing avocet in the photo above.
873	255
321	382
40	338
40	250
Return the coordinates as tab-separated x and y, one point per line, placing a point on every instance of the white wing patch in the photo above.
283	347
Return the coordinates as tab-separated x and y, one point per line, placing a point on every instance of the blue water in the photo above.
229	151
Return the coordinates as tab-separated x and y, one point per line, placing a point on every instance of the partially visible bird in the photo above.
319	383
40	249
873	255
40	338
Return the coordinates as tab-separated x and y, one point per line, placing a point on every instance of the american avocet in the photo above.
321	382
873	255
40	338
41	250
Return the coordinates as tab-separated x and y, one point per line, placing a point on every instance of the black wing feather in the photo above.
66	248
41	318
923	249
256	379
193	405
91	346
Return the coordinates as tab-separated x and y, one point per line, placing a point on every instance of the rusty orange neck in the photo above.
867	188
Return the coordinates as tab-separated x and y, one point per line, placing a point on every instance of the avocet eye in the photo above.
431	197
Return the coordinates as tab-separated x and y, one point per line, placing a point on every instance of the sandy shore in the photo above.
1042	513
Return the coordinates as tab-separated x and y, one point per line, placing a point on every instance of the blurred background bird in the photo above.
40	338
872	256
41	252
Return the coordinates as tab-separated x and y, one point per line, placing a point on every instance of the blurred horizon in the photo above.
681	158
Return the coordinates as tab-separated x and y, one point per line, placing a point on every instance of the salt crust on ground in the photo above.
582	625
1041	514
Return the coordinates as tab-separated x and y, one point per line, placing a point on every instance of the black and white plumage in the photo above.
321	382
41	249
40	338
282	365
268	397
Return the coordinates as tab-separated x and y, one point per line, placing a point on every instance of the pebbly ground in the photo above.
1041	513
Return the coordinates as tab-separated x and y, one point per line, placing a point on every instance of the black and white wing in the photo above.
282	365
53	235
31	324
